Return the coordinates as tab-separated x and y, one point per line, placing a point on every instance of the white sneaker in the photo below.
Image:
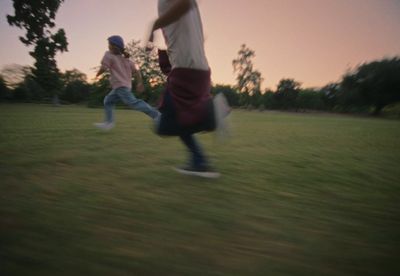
104	126
205	171
221	110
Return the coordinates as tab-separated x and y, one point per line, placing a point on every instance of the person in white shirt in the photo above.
187	102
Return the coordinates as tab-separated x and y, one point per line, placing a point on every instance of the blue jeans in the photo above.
125	95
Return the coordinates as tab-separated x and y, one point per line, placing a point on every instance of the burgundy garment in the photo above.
190	92
163	61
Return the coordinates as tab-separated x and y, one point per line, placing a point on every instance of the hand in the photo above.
140	88
100	72
149	44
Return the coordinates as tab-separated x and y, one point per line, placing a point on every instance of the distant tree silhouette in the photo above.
75	86
330	94
248	79
286	93
4	91
37	18
378	83
349	98
15	74
268	99
309	99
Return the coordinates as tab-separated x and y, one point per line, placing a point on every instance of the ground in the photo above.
299	195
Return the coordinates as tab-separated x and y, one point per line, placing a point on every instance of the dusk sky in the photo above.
312	41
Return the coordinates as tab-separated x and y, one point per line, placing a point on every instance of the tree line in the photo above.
370	87
367	89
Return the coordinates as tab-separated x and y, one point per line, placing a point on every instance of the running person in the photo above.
121	69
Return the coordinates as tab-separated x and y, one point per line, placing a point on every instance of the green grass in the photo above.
300	194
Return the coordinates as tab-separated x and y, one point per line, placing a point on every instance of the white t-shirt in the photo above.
184	38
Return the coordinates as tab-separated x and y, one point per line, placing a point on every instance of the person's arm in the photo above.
101	71
176	11
105	64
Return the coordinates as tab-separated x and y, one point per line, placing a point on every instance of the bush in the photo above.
268	100
155	94
392	111
97	94
362	109
249	107
308	99
5	93
75	92
28	91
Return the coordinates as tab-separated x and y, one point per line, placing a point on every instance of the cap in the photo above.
117	41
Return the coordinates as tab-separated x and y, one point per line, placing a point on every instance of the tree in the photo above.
248	80
309	99
4	91
375	84
37	18
329	94
28	90
75	87
147	62
286	93
73	76
23	86
349	97
15	74
378	83
268	99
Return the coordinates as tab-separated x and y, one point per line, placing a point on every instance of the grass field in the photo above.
300	194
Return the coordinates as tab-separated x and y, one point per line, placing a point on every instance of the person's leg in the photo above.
109	102
198	164
197	156
129	99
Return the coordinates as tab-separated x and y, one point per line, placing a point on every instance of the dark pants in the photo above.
169	126
197	156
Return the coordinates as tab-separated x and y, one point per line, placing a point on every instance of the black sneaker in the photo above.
203	171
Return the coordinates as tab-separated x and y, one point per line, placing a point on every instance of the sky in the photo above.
312	41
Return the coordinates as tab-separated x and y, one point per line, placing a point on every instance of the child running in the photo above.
186	106
121	70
